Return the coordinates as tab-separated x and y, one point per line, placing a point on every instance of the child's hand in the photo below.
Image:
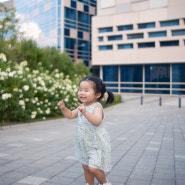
81	108
61	104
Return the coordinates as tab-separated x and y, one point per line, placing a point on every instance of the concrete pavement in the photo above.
148	147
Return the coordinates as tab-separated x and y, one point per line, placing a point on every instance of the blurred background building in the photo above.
136	46
63	24
139	45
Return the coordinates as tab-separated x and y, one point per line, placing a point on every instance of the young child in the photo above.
92	142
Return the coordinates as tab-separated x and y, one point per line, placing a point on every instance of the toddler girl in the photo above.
92	142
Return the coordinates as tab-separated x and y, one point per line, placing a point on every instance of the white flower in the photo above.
24	63
33	114
57	75
5	96
11	74
26	87
8	69
23	107
66	99
48	111
15	89
21	102
20	72
27	100
3	57
27	69
21	95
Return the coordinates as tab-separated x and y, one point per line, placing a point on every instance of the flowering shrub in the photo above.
26	94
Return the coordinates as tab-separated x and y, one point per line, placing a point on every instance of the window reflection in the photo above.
157	73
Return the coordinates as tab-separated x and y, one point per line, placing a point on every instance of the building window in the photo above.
100	39
157	73
66	32
106	29
115	37
84	1
110	73
131	73
169	23
178	32
80	34
125	46
125	27
86	8
135	36
157	34
73	4
106	47
178	76
178	72
69	24
110	77
69	43
146	25
169	43
146	45
59	2
70	13
83	17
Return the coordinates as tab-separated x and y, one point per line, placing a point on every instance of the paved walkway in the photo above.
148	147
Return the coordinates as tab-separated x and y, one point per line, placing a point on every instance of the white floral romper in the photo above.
92	143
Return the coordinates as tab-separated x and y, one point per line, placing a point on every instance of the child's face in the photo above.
86	93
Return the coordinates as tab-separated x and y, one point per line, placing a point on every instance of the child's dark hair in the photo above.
100	88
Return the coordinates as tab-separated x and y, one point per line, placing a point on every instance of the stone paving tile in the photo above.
33	180
148	147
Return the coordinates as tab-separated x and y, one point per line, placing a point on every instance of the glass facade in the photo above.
178	32
106	47
115	37
146	45
169	23
157	34
146	25
106	29
143	51
135	36
125	46
178	77
38	20
56	24
147	79
110	77
169	43
125	27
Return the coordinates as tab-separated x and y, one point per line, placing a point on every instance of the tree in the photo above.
8	30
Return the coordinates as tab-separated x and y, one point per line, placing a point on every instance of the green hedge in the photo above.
28	95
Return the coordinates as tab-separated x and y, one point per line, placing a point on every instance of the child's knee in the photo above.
93	170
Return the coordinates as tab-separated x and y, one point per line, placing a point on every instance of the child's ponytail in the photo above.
110	97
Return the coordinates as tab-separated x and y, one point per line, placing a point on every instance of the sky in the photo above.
1	1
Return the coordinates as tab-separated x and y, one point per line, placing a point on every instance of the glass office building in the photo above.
63	24
139	45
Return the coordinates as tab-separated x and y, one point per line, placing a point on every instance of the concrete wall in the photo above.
123	12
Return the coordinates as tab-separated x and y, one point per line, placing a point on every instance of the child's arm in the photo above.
67	113
95	118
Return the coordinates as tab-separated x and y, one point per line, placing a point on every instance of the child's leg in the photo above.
89	177
99	174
